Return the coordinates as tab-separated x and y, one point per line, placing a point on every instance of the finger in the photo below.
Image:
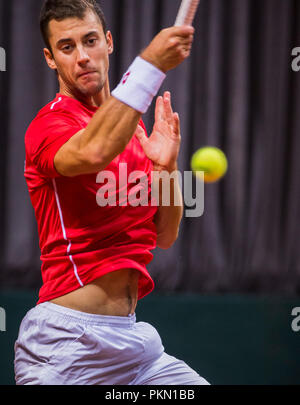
183	31
169	114
159	109
186	46
140	134
176	124
187	41
186	52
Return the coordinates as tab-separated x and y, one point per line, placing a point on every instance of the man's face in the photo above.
80	53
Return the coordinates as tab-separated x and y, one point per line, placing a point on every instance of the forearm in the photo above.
109	132
168	217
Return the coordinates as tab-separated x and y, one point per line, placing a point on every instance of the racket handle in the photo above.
187	12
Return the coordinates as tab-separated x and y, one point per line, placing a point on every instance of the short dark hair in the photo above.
61	9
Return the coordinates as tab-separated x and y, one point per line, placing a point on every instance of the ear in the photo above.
110	42
49	59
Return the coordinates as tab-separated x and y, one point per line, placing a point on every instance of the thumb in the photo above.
140	134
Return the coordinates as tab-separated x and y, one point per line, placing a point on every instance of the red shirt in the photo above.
79	240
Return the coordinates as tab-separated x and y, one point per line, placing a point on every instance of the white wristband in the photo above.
139	85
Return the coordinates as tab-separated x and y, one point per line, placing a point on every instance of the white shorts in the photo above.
60	346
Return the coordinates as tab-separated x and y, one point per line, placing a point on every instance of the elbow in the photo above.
98	160
92	162
164	246
166	242
96	163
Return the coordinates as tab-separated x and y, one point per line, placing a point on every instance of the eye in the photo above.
91	41
66	48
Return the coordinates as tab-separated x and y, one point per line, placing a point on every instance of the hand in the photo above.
163	146
170	47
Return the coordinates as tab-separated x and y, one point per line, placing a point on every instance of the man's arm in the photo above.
112	127
168	218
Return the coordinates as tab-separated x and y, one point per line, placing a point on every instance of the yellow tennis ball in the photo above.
210	160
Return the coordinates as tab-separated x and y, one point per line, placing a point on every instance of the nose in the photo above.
82	56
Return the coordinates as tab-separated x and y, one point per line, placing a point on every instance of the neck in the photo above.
95	101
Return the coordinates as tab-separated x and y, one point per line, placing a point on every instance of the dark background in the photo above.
237	92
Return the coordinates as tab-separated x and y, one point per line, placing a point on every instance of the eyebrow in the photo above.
65	40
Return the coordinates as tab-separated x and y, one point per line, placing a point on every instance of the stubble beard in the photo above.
81	91
90	91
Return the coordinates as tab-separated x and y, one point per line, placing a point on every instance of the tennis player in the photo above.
83	330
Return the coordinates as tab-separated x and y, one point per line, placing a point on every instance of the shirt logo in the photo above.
125	77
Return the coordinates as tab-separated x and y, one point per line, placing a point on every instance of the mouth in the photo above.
86	74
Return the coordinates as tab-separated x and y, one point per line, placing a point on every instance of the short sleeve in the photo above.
45	136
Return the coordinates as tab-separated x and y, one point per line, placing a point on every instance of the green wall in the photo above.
227	339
